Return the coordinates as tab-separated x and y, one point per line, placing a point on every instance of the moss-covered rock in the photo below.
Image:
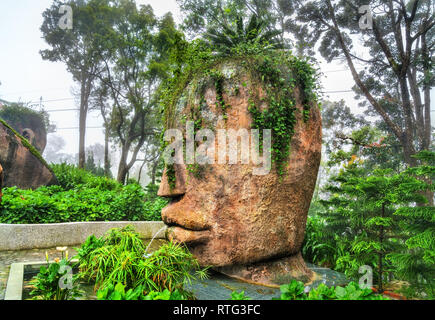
23	165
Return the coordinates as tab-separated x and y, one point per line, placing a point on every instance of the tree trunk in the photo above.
106	153
122	168
85	91
381	255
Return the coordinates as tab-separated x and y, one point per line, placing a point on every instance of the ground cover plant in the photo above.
54	283
80	196
121	268
296	290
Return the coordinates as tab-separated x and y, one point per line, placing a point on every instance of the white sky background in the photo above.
25	77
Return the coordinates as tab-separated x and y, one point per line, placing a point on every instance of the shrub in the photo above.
48	283
120	258
319	248
117	292
80	196
297	291
70	177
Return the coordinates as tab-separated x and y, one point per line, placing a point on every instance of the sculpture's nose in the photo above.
173	181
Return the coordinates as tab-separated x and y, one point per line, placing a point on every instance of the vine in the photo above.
277	72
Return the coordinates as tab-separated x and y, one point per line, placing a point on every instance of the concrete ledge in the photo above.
41	236
14	289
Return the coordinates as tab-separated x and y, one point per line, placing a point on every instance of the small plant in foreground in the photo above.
55	282
118	292
296	291
120	258
239	296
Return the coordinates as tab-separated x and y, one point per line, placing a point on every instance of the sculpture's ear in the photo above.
29	135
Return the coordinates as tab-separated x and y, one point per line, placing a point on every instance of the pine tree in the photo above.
360	212
416	264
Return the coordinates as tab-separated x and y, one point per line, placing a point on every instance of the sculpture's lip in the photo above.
186	236
192	226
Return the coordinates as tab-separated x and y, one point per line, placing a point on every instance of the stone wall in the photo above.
41	236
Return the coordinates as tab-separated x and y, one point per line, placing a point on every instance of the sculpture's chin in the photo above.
272	272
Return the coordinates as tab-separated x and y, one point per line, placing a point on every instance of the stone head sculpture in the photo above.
238	214
21	163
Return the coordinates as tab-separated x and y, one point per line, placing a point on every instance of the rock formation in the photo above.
1	183
22	164
246	226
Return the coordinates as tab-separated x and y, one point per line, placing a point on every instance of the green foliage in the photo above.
117	292
416	264
168	295
239	296
378	218
48	282
296	291
238	34
18	114
319	248
81	196
361	210
120	257
91	167
71	177
112	292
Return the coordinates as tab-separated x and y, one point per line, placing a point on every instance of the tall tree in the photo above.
203	15
134	52
75	47
396	52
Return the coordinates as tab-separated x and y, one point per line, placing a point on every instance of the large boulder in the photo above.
22	164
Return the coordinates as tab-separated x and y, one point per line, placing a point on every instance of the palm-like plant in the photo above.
230	37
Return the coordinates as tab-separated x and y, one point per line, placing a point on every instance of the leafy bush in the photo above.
80	196
296	291
48	283
117	292
239	296
319	248
70	177
120	257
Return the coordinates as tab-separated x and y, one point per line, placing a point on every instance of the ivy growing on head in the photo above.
277	72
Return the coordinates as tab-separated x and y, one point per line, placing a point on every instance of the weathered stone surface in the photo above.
1	182
21	167
250	227
37	236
